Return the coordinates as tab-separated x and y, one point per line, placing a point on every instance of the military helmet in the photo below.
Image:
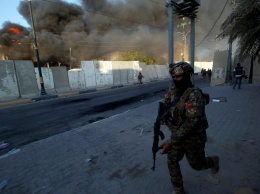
180	68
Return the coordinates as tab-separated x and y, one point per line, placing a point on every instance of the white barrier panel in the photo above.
158	69
166	72
103	72
116	72
150	72
124	66
154	74
61	80
132	71
76	79
26	77
129	71
47	79
89	73
8	81
219	68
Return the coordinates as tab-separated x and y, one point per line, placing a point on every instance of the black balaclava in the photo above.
183	84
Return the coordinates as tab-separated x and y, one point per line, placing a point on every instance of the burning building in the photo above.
68	32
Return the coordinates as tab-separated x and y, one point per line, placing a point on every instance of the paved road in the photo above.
21	125
113	156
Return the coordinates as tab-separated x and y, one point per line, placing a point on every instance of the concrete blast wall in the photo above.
76	79
26	78
103	73
20	78
132	72
61	79
8	81
219	69
116	73
17	79
125	72
88	70
47	79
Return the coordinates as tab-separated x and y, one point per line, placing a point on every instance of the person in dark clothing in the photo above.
140	78
187	123
209	72
239	72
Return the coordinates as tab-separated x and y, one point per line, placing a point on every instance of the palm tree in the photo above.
243	24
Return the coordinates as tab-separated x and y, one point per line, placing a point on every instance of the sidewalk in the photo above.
113	156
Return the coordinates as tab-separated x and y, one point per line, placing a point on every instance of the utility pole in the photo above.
192	41
188	8
70	59
43	92
169	5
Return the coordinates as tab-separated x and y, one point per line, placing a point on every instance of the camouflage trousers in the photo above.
193	148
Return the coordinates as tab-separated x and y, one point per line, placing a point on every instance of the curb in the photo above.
18	102
63	95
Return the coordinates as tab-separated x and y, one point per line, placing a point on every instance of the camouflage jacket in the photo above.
188	116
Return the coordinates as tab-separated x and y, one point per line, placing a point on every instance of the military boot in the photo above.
215	164
178	191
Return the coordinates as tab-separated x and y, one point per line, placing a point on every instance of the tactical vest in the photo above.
239	70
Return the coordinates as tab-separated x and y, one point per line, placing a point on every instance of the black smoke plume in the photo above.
68	32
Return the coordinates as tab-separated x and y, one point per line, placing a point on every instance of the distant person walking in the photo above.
140	78
203	73
209	72
239	72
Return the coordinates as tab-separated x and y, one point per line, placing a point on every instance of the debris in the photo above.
219	99
87	160
4	145
243	190
2	184
210	179
139	128
142	130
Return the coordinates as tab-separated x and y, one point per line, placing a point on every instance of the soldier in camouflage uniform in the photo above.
188	123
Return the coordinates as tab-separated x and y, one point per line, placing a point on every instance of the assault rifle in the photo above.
157	132
162	114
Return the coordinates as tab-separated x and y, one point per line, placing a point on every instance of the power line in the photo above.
214	23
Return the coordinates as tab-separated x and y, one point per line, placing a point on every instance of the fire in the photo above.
15	30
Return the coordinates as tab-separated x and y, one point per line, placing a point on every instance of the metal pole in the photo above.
43	92
70	58
170	37
183	42
192	44
229	62
170	31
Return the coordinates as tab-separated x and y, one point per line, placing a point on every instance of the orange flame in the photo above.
15	30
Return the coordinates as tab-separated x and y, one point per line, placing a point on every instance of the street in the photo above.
21	125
